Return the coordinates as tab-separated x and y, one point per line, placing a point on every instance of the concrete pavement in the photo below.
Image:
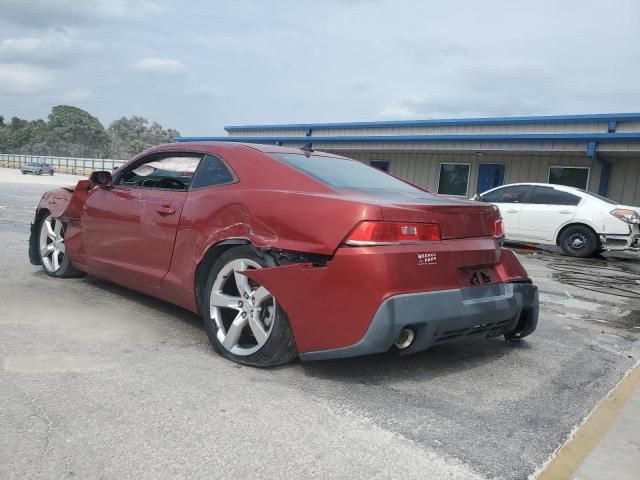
101	382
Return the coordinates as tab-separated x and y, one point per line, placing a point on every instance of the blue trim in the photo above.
605	172
516	137
613	125
593	118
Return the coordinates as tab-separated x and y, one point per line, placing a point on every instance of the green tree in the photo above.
19	135
74	132
129	136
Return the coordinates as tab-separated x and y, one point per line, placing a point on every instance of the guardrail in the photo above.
72	165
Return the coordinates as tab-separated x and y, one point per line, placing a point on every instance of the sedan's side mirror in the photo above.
101	178
477	197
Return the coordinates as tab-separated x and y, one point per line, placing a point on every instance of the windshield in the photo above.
345	174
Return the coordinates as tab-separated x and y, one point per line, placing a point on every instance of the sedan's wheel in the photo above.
52	248
243	320
579	241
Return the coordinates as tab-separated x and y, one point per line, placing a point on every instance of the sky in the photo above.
200	65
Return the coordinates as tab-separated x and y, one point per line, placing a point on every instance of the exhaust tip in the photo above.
405	339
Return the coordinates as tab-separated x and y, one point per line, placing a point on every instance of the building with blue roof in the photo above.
461	157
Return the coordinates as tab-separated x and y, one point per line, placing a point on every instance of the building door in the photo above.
490	175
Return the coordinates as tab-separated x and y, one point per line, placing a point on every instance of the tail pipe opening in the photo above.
524	326
405	338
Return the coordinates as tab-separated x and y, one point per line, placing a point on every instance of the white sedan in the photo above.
580	222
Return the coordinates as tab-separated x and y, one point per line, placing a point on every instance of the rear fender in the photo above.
327	307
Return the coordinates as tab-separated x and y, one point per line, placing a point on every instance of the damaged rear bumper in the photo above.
622	242
437	317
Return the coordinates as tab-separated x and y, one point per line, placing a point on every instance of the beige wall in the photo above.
624	182
423	168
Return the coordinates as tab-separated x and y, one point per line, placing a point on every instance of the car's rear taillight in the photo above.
388	233
498	230
626	215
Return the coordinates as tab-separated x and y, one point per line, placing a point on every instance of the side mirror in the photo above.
477	197
101	178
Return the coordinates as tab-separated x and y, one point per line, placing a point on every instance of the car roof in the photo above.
538	184
210	145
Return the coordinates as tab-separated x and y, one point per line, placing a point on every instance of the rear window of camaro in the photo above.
344	174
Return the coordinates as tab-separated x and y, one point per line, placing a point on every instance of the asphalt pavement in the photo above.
97	381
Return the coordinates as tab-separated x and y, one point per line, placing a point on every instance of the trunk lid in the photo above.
457	218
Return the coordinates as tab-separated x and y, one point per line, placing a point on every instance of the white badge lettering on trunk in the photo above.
427	258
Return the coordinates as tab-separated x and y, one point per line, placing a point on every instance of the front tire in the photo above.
579	241
244	322
52	250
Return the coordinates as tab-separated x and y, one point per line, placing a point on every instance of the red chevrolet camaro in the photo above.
287	252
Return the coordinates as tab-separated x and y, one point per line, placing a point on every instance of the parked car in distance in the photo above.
37	168
287	252
580	222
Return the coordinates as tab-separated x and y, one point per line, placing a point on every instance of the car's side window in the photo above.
551	196
173	172
515	194
212	171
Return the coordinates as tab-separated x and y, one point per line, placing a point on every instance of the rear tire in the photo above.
243	321
579	241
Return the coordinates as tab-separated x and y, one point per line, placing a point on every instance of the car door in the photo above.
509	200
545	211
130	228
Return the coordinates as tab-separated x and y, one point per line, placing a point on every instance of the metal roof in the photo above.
514	137
591	118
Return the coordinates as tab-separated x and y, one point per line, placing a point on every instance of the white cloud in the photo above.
76	95
55	49
43	13
16	79
205	91
159	66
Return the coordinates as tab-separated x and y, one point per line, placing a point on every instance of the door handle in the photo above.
512	210
166	210
564	211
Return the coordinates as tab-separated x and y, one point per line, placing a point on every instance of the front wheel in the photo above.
53	253
579	241
244	322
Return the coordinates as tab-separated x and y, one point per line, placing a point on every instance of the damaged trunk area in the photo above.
456	221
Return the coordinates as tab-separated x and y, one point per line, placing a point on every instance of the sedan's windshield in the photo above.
345	174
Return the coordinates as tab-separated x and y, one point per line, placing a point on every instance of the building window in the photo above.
380	165
570	176
454	179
